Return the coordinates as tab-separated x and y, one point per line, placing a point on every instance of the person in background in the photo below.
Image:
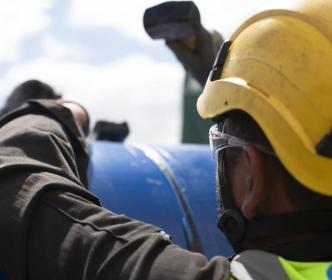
35	89
178	23
194	128
31	89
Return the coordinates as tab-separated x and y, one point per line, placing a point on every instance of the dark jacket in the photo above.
53	228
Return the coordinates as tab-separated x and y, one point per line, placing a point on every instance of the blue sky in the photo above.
97	53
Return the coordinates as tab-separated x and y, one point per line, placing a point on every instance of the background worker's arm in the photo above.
198	61
178	23
56	229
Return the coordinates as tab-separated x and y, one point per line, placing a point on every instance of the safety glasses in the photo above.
220	141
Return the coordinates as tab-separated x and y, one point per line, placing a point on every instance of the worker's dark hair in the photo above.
31	89
245	127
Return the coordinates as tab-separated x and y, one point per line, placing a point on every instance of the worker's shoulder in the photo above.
259	265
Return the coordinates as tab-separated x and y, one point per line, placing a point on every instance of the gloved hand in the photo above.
197	59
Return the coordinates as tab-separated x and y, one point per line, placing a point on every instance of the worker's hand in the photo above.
80	115
198	59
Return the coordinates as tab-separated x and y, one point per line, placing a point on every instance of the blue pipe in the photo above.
170	187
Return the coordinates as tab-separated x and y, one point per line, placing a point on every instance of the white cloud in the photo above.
19	20
145	93
226	16
52	47
137	89
126	16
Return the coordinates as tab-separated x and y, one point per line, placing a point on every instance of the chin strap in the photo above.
231	222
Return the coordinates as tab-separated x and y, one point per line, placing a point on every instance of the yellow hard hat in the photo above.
278	69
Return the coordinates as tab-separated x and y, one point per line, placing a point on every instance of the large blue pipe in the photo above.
171	187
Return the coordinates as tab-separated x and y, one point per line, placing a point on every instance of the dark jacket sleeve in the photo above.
58	230
74	239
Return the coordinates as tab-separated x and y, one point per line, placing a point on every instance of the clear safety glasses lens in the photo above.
220	141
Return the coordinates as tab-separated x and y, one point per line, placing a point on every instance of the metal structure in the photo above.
171	187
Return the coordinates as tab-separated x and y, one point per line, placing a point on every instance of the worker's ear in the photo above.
255	182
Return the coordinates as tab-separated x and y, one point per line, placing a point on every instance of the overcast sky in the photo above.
96	52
